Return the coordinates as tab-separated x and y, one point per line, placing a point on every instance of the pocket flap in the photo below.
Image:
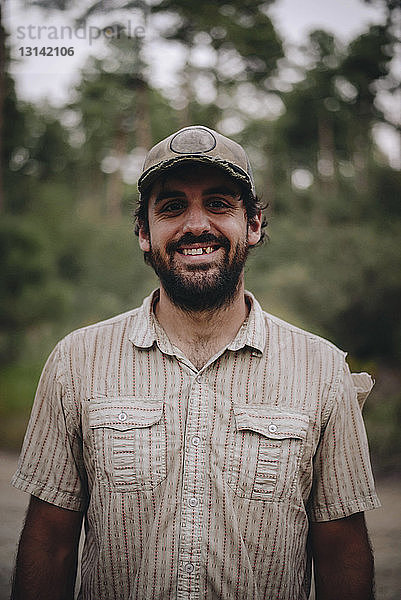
271	422
124	412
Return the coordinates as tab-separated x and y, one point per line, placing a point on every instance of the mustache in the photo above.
204	238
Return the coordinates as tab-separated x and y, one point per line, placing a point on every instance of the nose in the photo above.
197	221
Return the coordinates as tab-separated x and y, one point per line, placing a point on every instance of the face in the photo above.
198	236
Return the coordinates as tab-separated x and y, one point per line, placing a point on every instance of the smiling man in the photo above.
212	449
196	236
200	237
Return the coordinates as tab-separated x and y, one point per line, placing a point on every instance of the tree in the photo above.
4	90
334	259
30	292
327	127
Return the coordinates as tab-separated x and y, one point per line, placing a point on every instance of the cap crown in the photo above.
197	144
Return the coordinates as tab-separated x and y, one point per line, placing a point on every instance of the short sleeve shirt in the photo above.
197	484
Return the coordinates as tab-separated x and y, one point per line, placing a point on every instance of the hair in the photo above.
252	204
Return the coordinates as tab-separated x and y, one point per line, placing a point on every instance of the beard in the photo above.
203	287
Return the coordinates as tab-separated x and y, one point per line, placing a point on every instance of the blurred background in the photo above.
311	89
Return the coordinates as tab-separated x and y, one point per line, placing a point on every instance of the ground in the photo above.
384	526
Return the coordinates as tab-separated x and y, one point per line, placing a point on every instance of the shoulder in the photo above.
115	322
84	357
307	354
293	346
109	331
279	326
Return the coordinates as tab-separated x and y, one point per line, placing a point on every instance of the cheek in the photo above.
238	232
232	225
163	230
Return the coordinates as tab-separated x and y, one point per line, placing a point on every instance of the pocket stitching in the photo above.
272	440
105	443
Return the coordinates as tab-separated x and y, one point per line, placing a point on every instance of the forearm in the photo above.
347	577
43	571
47	556
343	560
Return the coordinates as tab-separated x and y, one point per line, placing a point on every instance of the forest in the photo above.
309	119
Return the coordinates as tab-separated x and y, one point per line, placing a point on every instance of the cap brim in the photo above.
150	175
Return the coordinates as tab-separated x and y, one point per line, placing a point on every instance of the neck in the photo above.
213	329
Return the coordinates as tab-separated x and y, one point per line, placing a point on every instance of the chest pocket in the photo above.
266	450
130	440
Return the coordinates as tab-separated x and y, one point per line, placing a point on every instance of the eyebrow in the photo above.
221	190
168	194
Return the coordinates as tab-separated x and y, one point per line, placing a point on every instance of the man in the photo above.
211	448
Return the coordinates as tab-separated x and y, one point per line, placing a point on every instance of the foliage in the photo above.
17	388
30	290
240	28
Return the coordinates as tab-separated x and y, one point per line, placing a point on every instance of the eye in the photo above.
218	204
172	206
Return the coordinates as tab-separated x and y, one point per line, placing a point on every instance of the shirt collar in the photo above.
146	331
252	332
143	330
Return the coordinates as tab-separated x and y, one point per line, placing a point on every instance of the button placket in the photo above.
192	492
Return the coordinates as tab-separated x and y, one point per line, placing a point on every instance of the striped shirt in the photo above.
197	484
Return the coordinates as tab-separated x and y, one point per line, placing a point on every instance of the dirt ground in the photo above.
384	526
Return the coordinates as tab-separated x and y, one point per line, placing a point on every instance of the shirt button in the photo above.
189	567
196	440
193	502
122	416
272	428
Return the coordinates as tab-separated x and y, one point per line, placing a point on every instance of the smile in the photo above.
197	251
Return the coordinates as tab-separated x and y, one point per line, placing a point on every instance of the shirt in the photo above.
197	484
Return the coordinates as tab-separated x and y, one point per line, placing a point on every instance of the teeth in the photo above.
194	251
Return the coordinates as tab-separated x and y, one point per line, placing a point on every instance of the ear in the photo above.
144	240
254	229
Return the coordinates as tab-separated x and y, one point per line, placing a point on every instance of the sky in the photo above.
346	18
45	77
52	78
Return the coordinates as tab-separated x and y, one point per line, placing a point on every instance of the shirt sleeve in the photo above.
50	463
343	481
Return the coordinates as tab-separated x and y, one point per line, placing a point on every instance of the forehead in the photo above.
202	177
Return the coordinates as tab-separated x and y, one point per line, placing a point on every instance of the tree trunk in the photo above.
326	168
142	126
326	157
115	186
2	96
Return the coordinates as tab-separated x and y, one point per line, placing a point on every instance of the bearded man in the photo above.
211	449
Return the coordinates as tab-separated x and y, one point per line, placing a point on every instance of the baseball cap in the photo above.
197	144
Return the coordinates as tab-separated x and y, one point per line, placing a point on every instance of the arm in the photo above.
47	554
343	559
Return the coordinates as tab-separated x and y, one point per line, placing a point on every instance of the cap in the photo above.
201	145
